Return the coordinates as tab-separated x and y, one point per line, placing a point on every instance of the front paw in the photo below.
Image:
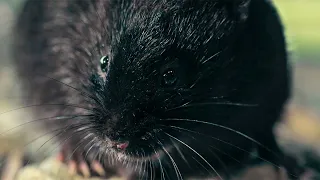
78	164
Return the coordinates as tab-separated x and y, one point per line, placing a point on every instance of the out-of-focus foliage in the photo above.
302	21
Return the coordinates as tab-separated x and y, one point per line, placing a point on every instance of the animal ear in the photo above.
239	9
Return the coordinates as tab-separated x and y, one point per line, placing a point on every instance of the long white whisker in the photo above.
92	145
78	145
180	152
161	168
42	119
221	162
226	154
188	105
223	127
174	164
225	143
201	164
55	135
145	169
136	164
195	153
141	163
172	160
151	169
35	105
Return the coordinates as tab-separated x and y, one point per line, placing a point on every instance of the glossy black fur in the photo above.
229	56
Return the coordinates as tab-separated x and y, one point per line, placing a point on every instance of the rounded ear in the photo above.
239	9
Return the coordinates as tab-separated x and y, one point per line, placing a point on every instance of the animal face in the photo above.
161	56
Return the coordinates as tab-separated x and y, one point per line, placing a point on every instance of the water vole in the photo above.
162	88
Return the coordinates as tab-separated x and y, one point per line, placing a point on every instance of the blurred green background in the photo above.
302	22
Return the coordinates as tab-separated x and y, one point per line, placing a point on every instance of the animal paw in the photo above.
77	164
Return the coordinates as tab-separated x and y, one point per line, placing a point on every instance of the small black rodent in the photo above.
169	89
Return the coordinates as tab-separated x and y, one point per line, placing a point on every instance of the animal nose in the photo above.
121	145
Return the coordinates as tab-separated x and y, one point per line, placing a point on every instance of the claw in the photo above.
97	167
72	166
77	164
60	157
84	169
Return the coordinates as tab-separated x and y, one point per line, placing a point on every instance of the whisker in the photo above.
59	133
42	119
180	152
161	168
78	145
201	164
225	143
149	171
226	154
211	57
188	105
179	107
81	92
174	164
86	155
222	163
153	170
98	154
195	82
179	176
35	105
66	140
145	169
140	165
226	103
226	128
195	153
137	162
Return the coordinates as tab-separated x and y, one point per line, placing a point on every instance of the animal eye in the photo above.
104	63
169	78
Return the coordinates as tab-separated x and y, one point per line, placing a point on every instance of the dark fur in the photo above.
231	66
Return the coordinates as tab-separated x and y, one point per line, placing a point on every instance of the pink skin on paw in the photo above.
60	157
76	164
97	167
84	169
72	167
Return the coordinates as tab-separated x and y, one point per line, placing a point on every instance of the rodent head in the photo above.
159	58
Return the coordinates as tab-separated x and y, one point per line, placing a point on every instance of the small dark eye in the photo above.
169	78
104	63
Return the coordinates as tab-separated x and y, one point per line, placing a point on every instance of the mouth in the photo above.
141	146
